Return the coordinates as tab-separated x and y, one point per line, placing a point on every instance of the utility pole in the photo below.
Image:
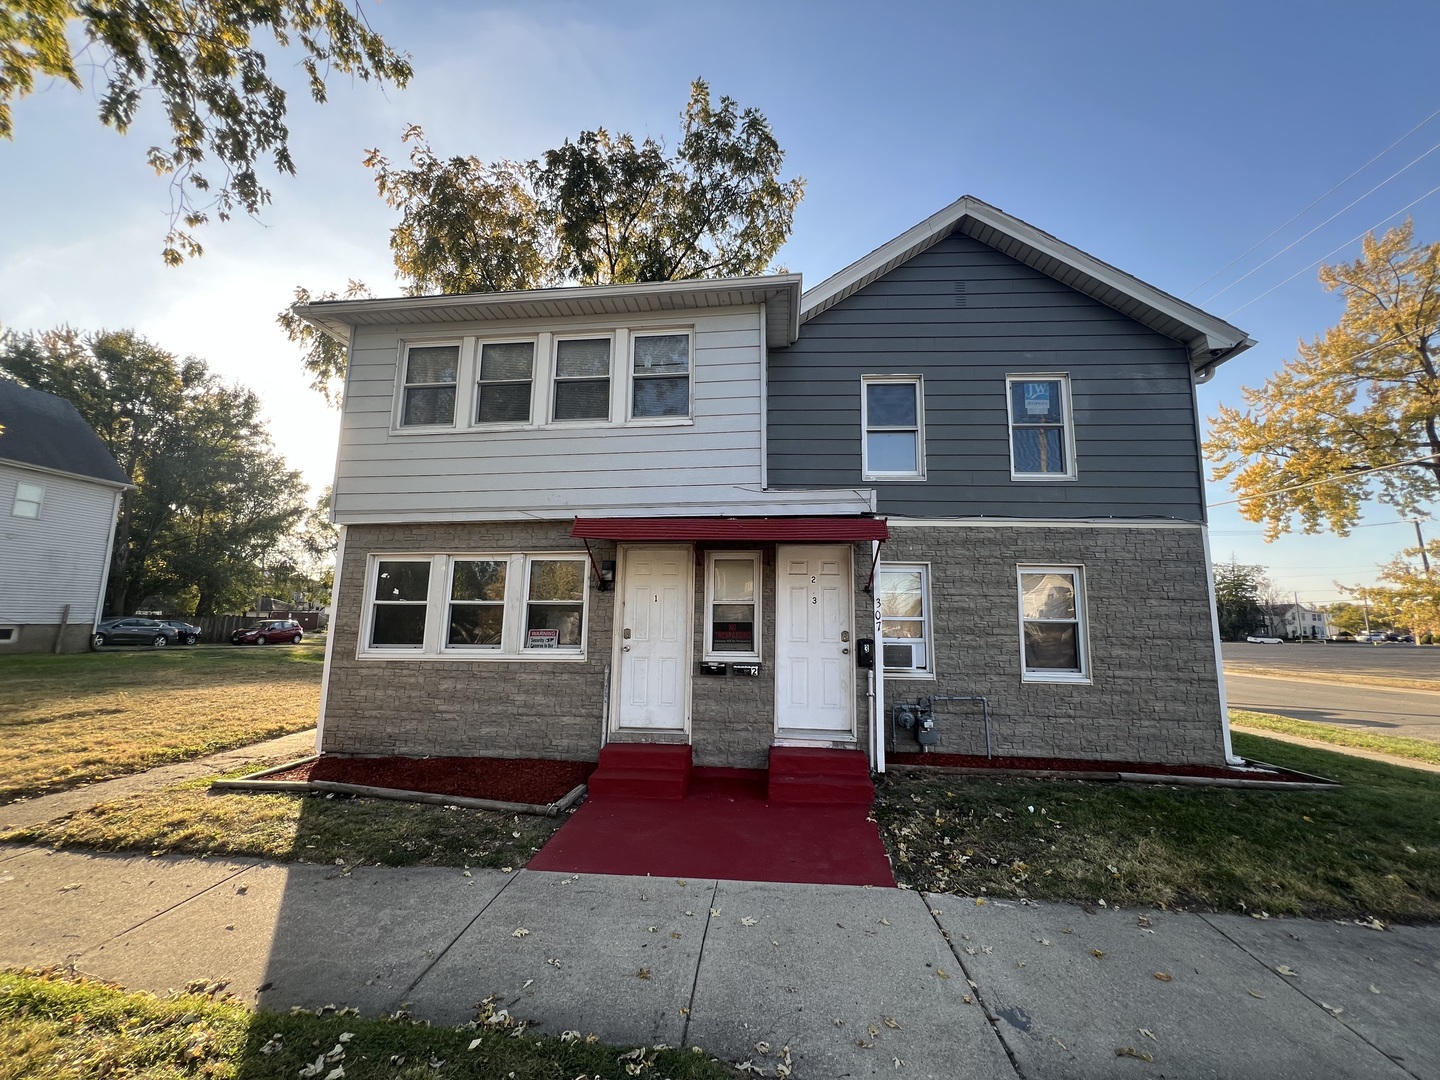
1424	557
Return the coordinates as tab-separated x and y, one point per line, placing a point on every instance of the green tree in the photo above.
1364	395
1238	588
602	209
1346	617
211	492
202	59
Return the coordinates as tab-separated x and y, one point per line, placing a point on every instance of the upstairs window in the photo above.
892	414
1052	624
29	498
429	393
502	390
661	382
903	596
582	379
1041	433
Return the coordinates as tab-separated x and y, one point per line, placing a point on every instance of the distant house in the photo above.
60	493
1303	621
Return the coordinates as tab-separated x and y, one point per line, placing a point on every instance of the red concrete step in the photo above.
811	775
642	771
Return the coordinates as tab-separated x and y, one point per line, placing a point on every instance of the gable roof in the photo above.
46	432
780	293
1210	340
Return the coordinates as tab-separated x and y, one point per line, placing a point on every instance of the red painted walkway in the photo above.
722	829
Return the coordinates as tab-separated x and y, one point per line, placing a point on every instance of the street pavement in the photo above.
1412	714
855	981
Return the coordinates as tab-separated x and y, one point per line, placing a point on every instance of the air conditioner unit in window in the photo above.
901	657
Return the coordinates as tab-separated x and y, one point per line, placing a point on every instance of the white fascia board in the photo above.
1209	339
83	477
336	318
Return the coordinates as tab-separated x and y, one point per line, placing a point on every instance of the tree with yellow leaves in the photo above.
1356	415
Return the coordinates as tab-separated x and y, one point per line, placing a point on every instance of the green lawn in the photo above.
188	819
70	720
1394	745
1370	848
54	1027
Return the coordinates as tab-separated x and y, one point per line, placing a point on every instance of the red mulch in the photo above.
1214	772
520	780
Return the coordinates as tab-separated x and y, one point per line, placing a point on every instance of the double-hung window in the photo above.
1052	624
503	385
400	604
904	598
477	607
1042	436
893	417
582	379
660	375
732	601
428	398
29	498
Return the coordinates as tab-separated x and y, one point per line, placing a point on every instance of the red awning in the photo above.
757	528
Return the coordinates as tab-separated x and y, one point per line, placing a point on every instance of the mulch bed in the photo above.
1214	772
519	780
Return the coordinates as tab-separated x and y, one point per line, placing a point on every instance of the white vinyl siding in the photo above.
704	464
57	558
487	606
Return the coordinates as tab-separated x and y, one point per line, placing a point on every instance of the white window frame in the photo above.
29	501
1081	621
711	557
537	366
437	610
927	623
9	634
553	380
917	381
1067	419
631	378
465	348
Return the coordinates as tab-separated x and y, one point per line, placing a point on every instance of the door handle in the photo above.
845	652
624	648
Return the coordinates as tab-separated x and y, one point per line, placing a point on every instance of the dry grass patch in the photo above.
69	720
1370	848
189	819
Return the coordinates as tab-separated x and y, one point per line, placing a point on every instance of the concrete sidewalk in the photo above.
855	981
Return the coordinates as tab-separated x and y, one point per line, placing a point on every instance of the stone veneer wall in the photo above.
40	638
1154	694
456	707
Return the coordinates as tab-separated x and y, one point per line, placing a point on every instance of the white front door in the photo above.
814	680
654	638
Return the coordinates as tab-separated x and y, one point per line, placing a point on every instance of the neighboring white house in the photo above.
1302	621
60	492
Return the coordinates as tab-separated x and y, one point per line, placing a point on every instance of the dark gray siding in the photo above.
1134	406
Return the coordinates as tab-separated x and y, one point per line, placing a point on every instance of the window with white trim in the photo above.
428	394
902	592
399	604
732	604
582	379
9	635
504	381
29	498
476	606
1042	438
1052	624
892	414
660	375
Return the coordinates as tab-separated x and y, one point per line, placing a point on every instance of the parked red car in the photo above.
266	632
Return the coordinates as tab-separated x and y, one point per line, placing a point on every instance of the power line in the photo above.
1322	224
1342	247
1326	480
1314	204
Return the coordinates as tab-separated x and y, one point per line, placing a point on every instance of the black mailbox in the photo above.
865	653
711	667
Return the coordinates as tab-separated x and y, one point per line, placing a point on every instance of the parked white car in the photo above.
1265	640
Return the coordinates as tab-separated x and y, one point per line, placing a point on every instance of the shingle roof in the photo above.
45	431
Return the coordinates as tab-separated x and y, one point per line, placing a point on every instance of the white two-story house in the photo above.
731	515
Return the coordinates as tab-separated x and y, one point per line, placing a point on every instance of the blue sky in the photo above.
1166	139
